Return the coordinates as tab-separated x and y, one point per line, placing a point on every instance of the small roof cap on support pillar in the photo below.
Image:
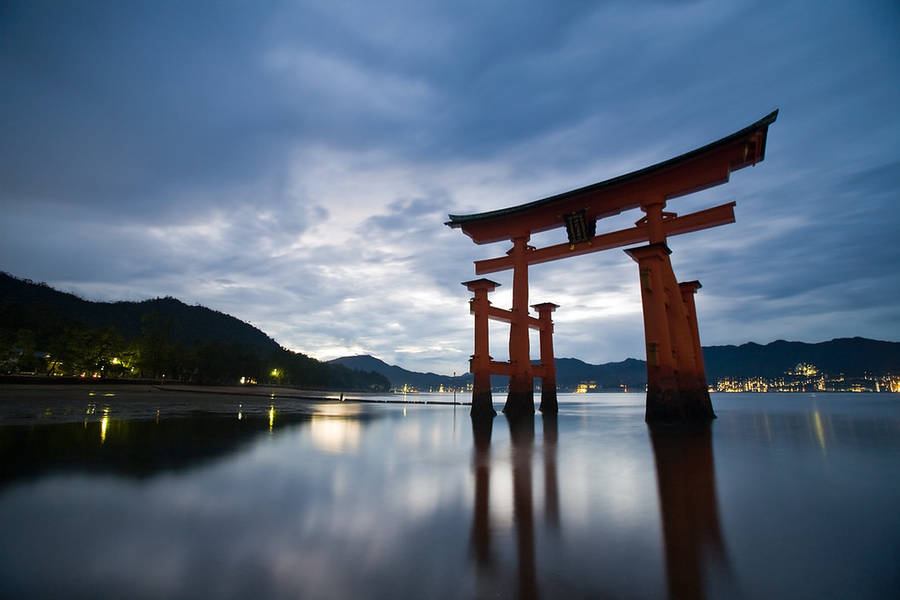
649	249
545	306
690	286
481	284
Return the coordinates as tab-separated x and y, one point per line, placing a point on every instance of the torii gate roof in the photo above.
693	171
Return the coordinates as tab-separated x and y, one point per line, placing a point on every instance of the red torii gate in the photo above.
676	378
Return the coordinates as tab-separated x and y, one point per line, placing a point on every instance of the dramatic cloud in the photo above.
293	163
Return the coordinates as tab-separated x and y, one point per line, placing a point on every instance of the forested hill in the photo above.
45	331
188	323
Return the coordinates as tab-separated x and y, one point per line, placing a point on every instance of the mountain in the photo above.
187	323
399	376
45	331
851	356
630	372
569	373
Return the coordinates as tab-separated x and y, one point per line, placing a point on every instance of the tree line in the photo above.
37	339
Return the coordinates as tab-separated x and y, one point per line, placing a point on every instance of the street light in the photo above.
454	387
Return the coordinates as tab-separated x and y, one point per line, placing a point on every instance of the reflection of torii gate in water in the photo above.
676	379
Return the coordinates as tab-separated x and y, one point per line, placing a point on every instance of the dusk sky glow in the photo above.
293	163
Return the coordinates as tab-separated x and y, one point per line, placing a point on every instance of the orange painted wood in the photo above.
704	219
507	316
500	368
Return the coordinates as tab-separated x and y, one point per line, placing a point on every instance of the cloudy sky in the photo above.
292	163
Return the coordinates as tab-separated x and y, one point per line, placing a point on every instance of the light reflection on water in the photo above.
334	434
783	496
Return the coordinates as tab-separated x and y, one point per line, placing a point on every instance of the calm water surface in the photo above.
145	495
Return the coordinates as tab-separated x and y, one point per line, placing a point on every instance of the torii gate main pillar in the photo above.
520	399
676	382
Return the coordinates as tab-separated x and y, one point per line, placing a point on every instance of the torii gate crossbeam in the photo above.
676	379
704	219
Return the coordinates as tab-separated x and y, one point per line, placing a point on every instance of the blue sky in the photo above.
292	163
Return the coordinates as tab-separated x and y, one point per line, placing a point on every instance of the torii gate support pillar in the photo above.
676	382
688	289
480	363
549	405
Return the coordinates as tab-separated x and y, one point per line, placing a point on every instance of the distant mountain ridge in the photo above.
631	372
569	373
398	376
850	356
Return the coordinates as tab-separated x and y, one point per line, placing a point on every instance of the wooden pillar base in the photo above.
549	405
520	399
668	404
482	406
482	398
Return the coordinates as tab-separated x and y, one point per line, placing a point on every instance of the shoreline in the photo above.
35	404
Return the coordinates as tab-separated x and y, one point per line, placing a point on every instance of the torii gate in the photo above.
676	378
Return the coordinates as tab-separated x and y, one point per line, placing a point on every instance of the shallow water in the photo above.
145	495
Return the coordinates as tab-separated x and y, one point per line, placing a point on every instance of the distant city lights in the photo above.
806	377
